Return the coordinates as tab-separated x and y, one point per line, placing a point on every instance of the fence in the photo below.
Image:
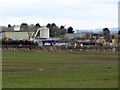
60	48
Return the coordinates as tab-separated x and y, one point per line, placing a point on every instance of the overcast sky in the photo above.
80	14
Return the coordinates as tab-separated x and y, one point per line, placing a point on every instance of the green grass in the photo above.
23	69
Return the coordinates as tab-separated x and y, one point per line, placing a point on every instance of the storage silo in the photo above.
42	32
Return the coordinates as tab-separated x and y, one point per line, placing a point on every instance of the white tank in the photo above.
42	33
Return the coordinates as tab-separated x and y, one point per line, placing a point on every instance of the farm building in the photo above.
16	34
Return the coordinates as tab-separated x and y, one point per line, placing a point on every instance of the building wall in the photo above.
44	32
17	35
74	35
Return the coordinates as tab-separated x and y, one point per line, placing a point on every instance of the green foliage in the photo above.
55	31
9	26
37	25
70	30
24	27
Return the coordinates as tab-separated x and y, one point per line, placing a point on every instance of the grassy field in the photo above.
27	69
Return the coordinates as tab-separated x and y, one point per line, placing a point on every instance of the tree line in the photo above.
55	31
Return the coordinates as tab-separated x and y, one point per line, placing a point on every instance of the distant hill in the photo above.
96	30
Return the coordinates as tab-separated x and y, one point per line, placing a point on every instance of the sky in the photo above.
80	14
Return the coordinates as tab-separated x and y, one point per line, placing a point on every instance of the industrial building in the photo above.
16	34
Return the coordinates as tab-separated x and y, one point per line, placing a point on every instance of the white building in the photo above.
16	28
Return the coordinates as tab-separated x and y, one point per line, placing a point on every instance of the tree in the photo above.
24	27
50	29
53	25
31	27
106	34
62	30
70	30
119	32
48	25
9	26
53	29
37	25
62	27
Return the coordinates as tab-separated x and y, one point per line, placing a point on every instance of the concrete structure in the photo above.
41	33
